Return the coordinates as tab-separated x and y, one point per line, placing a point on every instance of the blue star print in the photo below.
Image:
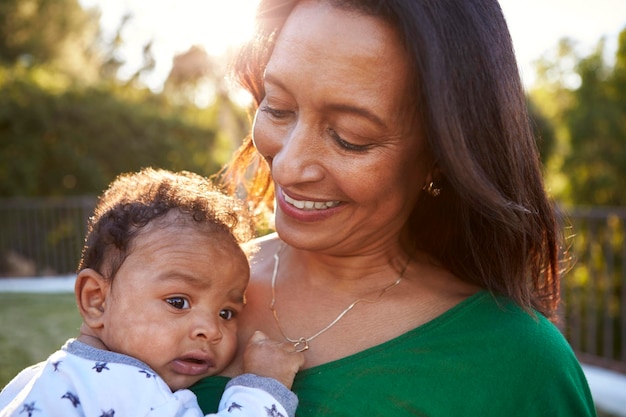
273	412
72	397
234	406
100	366
29	408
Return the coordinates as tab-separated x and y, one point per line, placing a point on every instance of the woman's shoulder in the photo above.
262	258
500	314
500	320
263	240
266	246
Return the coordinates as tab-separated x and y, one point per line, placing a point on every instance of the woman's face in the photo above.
347	159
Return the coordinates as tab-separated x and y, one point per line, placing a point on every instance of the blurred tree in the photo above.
194	77
62	133
544	132
52	32
74	140
585	100
111	62
201	79
551	98
597	130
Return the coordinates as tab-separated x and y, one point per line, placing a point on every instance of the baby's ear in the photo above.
91	290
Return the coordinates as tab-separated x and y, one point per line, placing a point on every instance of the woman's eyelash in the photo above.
274	112
345	144
280	114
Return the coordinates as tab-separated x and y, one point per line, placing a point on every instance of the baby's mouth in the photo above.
191	365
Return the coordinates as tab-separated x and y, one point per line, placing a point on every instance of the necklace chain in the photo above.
302	343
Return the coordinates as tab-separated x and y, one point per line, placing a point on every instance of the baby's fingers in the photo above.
257	337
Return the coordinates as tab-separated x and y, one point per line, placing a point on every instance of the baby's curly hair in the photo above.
133	200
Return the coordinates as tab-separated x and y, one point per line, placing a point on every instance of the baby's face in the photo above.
174	303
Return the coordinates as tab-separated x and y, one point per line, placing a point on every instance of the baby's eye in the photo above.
228	314
179	303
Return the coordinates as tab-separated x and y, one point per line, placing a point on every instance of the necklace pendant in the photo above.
301	345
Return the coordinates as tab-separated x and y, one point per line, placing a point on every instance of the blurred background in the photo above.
93	88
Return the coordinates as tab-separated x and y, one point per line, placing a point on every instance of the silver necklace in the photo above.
302	343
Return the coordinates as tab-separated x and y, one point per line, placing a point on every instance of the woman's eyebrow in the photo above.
338	107
269	78
361	111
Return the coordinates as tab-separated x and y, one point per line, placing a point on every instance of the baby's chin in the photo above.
177	383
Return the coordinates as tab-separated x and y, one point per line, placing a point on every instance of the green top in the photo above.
484	357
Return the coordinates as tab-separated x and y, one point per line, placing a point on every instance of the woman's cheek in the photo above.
267	136
259	134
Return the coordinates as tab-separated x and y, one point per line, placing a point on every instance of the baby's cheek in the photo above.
229	348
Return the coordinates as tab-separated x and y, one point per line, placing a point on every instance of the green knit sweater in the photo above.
484	357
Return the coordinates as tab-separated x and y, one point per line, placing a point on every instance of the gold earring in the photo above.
432	189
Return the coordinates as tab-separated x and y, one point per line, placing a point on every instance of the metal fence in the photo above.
594	288
40	237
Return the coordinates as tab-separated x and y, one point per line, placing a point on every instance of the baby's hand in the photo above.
272	359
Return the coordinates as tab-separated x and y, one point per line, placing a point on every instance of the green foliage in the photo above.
57	32
544	132
60	139
585	100
597	162
68	126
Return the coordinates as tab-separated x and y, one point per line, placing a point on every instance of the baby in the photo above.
160	284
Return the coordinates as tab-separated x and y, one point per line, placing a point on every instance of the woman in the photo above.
416	258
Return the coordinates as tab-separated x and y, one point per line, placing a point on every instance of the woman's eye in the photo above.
179	303
275	113
345	144
227	314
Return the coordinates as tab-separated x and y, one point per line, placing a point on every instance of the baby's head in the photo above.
163	274
134	200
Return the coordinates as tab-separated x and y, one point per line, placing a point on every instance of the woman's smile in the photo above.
310	205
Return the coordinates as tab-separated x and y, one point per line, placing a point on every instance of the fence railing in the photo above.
40	237
594	288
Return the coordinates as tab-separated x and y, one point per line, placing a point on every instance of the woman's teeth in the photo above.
310	205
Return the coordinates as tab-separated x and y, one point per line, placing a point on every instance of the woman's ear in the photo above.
434	173
91	290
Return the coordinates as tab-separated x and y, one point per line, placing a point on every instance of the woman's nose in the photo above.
297	156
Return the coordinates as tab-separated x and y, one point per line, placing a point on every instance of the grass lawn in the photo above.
32	326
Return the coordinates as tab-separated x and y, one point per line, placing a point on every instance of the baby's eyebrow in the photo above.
184	278
237	296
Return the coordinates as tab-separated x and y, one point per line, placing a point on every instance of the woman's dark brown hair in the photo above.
493	224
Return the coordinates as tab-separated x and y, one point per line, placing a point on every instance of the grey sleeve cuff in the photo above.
287	398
